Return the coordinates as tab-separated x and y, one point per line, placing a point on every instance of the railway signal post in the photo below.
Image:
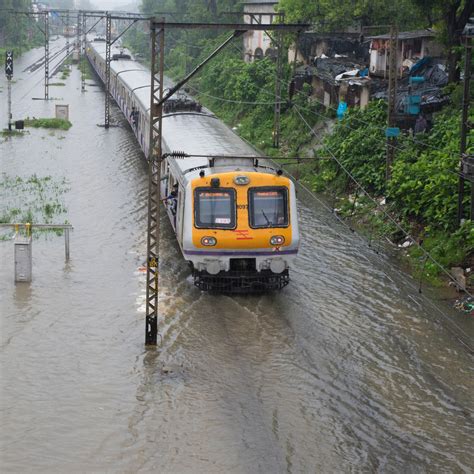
9	74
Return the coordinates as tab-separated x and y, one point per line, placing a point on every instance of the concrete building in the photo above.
257	44
412	46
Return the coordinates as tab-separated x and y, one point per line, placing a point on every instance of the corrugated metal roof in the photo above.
404	35
260	2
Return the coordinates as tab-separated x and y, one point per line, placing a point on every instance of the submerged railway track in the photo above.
346	369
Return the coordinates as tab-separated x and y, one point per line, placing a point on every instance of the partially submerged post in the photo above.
23	247
23	257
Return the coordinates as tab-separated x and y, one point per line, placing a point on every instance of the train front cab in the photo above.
244	231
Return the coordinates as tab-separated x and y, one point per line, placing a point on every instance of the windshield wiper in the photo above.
269	224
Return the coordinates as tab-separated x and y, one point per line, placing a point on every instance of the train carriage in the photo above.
235	219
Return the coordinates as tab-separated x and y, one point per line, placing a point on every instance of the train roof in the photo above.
194	133
204	135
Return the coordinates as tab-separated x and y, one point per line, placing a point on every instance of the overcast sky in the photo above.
114	4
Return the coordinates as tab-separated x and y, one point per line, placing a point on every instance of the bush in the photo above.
56	123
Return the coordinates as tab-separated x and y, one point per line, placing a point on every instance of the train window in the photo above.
268	207
214	208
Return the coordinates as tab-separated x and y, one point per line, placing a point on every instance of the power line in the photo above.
369	125
394	222
362	120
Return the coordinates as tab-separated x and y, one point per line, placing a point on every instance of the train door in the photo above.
180	216
164	179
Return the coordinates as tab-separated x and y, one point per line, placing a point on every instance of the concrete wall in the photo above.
413	49
257	40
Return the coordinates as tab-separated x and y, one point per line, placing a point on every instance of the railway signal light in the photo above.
9	64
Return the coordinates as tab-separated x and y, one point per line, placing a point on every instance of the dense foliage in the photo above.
422	194
17	32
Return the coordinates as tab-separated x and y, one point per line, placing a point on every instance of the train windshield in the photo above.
214	208
268	207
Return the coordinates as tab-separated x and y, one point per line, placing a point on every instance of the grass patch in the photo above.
54	123
34	199
66	71
57	84
11	133
85	68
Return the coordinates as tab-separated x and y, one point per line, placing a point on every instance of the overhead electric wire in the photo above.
370	126
42	79
378	205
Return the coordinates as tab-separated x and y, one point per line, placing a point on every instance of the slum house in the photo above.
412	46
334	66
257	44
421	70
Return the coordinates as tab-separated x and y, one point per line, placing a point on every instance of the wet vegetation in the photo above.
422	194
55	123
11	133
18	33
31	199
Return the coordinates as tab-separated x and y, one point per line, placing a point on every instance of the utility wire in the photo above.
359	186
368	125
377	204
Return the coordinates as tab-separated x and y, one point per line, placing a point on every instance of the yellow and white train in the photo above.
234	219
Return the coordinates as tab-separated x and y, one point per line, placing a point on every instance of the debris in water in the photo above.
466	305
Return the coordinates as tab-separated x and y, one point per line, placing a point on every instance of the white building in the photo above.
256	43
412	46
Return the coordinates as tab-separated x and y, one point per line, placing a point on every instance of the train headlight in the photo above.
277	240
209	241
241	180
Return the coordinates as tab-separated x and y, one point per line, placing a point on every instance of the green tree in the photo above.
17	31
330	15
451	16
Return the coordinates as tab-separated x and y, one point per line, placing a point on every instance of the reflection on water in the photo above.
346	369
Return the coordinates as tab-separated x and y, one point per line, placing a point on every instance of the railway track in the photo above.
40	62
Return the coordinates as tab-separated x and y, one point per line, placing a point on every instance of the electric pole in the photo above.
46	55
108	45
67	35
154	180
83	53
466	163
392	132
157	99
277	108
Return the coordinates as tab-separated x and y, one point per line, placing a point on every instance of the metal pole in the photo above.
9	103
277	108
392	99
66	243
83	54
46	56
108	44
464	131
67	35
154	180
78	36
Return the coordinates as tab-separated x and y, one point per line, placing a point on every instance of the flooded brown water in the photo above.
345	370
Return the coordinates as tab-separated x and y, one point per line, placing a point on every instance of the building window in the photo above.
258	53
